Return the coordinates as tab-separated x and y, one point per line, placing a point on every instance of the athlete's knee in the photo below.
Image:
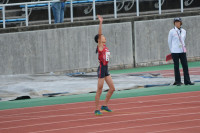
99	90
100	86
112	89
98	94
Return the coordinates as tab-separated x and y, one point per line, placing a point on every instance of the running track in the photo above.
168	113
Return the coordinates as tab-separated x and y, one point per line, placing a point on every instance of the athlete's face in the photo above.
103	39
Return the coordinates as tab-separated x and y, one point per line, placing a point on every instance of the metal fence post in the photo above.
26	14
137	7
49	12
181	5
115	8
71	10
4	18
94	10
159	4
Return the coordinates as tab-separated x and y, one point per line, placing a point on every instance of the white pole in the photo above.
137	7
4	18
115	8
49	12
181	5
71	10
26	14
159	3
94	10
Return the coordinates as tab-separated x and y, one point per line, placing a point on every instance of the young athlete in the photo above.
103	74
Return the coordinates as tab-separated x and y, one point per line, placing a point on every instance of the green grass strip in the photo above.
153	68
90	97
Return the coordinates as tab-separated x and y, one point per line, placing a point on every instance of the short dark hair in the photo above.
96	38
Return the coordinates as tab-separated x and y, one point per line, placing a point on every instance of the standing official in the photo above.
176	41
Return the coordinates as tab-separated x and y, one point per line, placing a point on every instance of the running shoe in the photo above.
105	108
97	112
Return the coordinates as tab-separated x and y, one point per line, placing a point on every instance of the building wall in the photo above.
70	47
63	49
151	39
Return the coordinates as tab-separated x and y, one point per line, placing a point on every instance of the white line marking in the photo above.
93	101
75	114
175	129
184	114
150	112
141	126
78	108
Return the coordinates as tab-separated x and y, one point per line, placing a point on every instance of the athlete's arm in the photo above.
100	45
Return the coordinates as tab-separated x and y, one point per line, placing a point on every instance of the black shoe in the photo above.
189	83
178	84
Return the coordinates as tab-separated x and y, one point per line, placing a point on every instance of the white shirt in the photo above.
174	42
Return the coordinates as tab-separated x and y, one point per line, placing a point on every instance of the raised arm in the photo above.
100	45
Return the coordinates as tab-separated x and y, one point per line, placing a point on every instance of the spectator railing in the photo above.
27	5
26	11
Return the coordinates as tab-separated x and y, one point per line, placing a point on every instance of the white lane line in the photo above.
86	107
175	129
85	113
118	114
179	93
149	125
50	123
121	114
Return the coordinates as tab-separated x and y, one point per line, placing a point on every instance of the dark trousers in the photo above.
183	59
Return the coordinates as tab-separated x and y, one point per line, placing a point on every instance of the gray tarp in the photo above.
13	86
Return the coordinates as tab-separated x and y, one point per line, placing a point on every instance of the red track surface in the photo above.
170	73
169	113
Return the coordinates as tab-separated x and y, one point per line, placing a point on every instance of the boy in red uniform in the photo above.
103	73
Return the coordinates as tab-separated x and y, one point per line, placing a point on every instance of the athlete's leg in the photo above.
99	91
109	81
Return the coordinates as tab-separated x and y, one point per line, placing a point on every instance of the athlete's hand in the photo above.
100	18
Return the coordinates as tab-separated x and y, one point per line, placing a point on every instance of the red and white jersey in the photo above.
104	55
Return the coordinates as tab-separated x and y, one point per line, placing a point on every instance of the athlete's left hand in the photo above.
100	18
